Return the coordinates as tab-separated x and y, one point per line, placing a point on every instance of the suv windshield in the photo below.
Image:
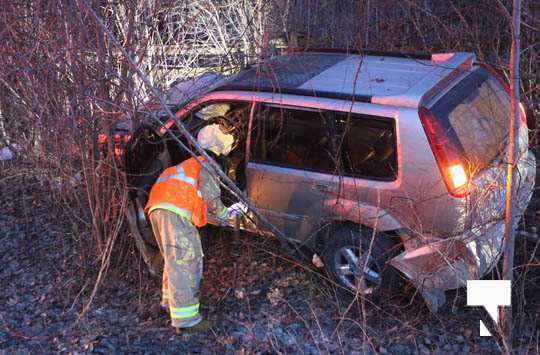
475	116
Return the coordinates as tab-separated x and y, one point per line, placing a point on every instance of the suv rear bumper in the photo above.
435	265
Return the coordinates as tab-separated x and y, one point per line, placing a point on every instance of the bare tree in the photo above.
509	233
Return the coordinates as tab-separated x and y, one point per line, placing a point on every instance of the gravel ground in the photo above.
260	301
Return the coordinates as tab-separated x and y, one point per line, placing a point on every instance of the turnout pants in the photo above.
180	245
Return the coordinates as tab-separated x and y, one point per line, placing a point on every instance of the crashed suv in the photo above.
380	165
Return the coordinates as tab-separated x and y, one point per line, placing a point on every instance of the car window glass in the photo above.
482	118
292	138
367	146
476	111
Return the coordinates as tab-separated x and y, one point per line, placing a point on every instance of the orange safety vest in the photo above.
177	190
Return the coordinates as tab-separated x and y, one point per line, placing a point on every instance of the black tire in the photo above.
142	189
341	241
140	227
150	252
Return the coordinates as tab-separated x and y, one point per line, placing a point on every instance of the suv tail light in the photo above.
458	176
452	164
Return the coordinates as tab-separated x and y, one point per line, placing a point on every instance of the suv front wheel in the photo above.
356	267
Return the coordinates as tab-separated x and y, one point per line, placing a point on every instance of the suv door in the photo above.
291	168
306	164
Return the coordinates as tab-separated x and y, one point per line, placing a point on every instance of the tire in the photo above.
142	189
140	228
346	246
150	252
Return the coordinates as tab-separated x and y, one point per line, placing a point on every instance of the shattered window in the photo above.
367	145
293	138
477	110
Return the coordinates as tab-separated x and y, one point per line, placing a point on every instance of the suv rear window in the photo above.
474	115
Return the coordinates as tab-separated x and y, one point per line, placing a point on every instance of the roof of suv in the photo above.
387	78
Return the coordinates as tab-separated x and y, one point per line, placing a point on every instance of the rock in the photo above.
332	347
12	301
238	335
274	296
240	293
6	154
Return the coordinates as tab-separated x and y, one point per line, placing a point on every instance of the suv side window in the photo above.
310	139
367	145
294	138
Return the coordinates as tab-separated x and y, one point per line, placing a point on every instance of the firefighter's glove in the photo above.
238	209
223	217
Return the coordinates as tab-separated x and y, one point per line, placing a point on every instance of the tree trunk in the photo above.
509	233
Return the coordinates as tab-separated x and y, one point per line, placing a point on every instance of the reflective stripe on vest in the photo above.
169	207
223	213
180	175
184	312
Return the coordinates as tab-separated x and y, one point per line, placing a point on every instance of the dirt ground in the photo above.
261	302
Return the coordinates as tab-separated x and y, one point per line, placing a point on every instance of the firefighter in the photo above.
177	205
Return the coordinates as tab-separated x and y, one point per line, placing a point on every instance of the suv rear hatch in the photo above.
467	128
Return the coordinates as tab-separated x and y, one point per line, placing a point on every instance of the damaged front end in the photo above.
435	265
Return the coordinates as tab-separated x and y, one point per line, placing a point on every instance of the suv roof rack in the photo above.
402	81
298	91
411	55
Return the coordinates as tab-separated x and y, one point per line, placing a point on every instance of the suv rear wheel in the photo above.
350	263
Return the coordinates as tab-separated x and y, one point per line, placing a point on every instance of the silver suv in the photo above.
382	164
